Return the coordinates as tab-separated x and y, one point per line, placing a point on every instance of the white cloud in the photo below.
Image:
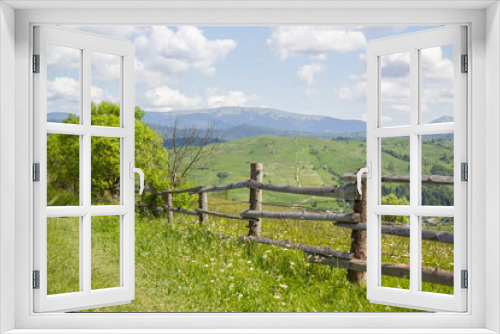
175	52
105	67
353	93
63	88
306	73
314	41
63	95
219	98
98	94
60	58
165	98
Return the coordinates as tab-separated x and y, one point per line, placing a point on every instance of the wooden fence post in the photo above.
203	205
254	226
169	205
358	238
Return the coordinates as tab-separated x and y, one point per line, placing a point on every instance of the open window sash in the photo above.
412	44
85	295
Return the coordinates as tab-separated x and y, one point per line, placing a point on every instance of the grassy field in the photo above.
182	268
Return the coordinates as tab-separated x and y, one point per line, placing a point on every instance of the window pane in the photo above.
105	252
63	84
105	89
395	89
437	256
395	253
437	160
437	79
105	171
395	165
63	255
63	170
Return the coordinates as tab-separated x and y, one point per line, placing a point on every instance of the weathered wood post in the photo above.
358	238
203	205
170	212
255	225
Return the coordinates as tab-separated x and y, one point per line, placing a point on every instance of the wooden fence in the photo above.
355	260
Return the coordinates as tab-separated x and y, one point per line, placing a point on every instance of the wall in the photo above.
7	160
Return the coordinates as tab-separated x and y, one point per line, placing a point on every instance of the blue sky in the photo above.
310	70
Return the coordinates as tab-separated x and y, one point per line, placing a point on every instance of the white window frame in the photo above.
86	44
414	43
484	103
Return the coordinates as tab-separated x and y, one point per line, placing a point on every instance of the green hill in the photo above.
316	162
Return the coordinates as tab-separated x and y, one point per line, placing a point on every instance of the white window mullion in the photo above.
414	171
86	177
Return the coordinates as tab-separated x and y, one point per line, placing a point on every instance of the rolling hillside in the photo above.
314	162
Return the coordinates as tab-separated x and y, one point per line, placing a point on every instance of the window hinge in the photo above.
36	63
464	172
36	172
36	279
465	64
465	279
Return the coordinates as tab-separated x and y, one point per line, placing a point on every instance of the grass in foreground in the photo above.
182	268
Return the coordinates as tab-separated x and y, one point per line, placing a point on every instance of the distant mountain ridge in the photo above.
230	117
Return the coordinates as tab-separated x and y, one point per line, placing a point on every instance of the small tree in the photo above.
191	150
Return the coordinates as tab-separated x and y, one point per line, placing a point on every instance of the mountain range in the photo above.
229	117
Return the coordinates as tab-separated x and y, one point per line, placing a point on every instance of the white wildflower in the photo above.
283	286
277	297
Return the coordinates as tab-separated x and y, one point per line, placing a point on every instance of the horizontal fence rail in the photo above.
404	231
436	179
401	270
327	216
355	260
